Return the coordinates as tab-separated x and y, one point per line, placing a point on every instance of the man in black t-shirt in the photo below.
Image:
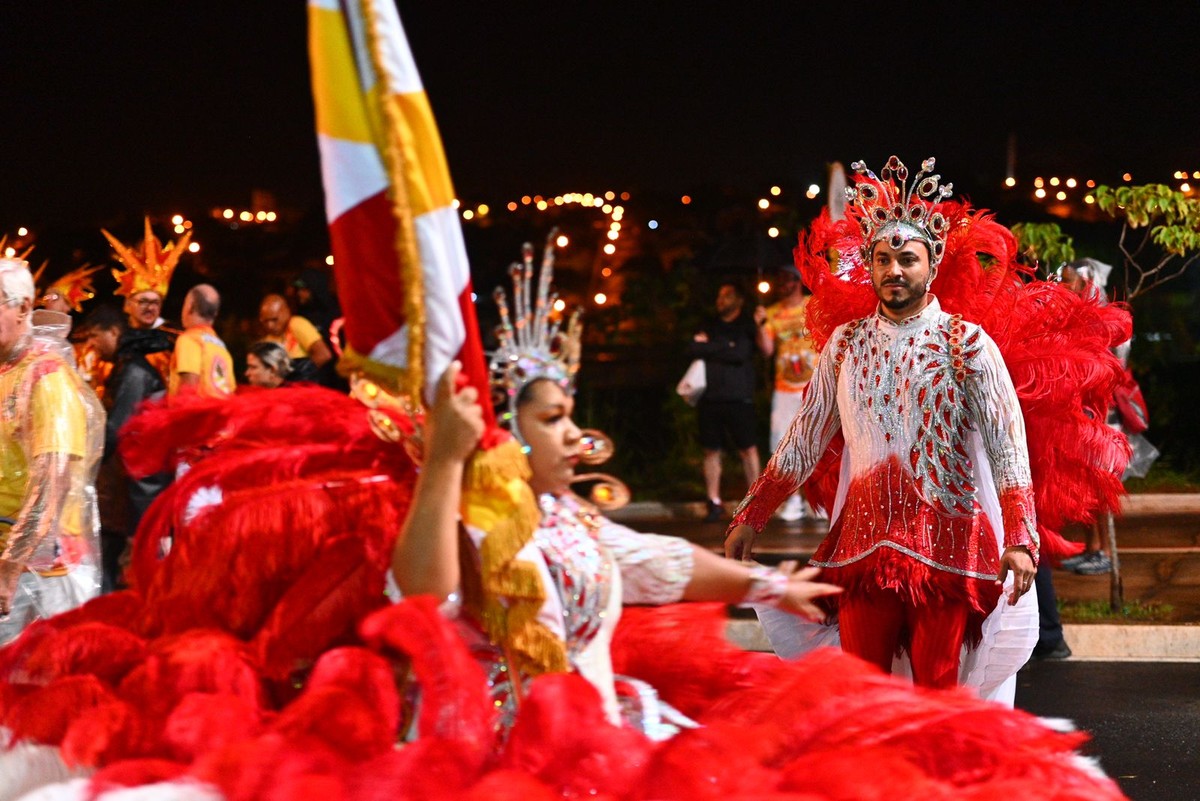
727	346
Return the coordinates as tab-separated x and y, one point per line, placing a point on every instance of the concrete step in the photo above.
1093	642
1131	506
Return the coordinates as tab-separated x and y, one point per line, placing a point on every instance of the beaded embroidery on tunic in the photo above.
921	391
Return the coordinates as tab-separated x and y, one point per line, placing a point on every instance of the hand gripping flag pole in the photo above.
401	270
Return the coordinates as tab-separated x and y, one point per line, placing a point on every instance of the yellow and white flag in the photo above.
402	277
399	259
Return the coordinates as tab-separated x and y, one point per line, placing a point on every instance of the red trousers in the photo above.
876	623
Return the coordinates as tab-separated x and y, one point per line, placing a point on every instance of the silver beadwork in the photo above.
891	209
532	343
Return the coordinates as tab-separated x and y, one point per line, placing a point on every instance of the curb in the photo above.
1160	504
1110	642
1131	506
1099	642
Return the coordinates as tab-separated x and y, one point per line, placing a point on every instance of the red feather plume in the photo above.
692	686
563	738
102	650
455	701
320	610
205	722
44	714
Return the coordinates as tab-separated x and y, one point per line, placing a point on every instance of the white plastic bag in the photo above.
693	383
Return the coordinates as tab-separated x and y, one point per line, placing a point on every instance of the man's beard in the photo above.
916	292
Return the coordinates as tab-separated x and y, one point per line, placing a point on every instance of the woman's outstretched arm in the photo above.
785	587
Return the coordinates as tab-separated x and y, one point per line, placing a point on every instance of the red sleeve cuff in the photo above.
761	502
1020	520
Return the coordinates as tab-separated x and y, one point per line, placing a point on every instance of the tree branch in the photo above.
1145	241
1160	280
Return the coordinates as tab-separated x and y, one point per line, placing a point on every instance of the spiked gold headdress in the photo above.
75	287
149	268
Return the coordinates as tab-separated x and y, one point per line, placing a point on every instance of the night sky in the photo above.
115	108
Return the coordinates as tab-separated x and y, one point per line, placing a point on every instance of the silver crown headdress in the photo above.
533	343
889	209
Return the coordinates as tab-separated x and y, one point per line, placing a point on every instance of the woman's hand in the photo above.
455	423
802	591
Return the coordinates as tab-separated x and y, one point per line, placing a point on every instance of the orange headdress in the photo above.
149	268
75	287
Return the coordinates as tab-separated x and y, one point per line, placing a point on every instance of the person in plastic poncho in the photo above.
49	444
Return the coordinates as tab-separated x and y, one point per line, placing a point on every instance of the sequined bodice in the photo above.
589	566
904	382
579	568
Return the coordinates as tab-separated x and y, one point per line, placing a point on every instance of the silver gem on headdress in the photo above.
532	342
889	209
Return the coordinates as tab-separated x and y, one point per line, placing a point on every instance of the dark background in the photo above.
121	109
137	105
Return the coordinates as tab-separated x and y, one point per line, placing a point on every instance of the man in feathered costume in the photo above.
67	294
934	515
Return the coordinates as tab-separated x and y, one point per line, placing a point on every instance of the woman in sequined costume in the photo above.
588	565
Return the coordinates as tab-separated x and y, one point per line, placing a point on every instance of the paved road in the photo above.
1144	719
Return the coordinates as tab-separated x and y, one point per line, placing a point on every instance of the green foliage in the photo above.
1152	203
1043	246
1172	223
1166	479
1101	612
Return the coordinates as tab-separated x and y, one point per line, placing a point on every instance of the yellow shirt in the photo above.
199	351
40	413
794	353
299	337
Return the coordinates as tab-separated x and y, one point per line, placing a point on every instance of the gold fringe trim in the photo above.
497	499
398	152
388	376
